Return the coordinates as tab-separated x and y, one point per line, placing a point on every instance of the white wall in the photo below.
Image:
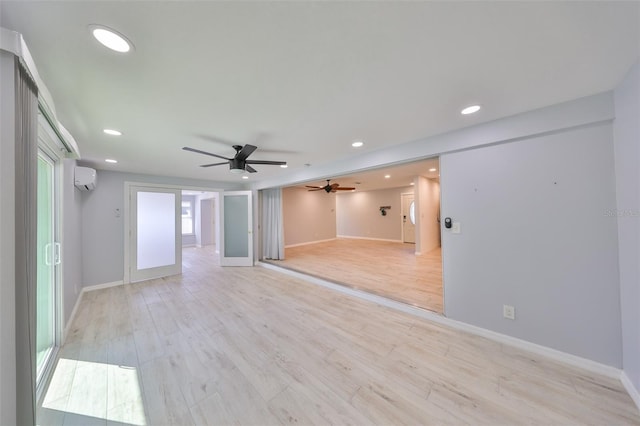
358	214
71	239
103	231
534	234
427	209
308	216
7	242
627	159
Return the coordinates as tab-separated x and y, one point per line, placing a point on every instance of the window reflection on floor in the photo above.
82	392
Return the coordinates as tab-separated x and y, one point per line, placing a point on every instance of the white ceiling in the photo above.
302	80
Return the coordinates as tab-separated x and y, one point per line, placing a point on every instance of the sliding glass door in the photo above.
48	258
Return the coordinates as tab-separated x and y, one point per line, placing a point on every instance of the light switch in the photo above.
455	227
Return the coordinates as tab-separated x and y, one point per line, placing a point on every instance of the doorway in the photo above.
408	218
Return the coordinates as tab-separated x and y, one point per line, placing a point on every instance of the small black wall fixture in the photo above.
383	210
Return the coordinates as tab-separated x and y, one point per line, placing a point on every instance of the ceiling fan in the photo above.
239	163
330	187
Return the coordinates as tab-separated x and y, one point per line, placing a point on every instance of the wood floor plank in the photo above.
385	268
238	346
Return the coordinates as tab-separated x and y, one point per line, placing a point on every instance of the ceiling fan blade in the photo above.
249	168
186	148
214	164
343	188
314	187
273	163
245	152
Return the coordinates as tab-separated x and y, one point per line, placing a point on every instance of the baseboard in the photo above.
633	392
557	355
101	286
351	237
308	243
573	360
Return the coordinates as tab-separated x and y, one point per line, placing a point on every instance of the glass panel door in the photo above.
156	233
48	257
236	230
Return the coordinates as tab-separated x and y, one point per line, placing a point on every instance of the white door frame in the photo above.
126	214
237	261
50	145
175	268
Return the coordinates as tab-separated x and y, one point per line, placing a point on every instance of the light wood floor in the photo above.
254	346
384	268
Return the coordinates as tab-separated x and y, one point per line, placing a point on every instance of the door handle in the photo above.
48	255
57	254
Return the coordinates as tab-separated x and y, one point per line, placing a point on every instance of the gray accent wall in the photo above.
103	222
627	158
535	234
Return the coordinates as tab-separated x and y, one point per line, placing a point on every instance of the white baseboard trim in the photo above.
573	360
308	243
351	237
101	286
633	392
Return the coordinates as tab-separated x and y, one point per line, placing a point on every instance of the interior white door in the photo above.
408	219
236	235
156	232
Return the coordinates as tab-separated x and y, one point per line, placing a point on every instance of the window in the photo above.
187	217
412	212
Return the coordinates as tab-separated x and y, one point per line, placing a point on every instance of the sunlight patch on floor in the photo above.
98	390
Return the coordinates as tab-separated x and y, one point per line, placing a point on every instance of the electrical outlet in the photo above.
509	312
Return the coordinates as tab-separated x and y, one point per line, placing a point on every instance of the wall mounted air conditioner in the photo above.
85	178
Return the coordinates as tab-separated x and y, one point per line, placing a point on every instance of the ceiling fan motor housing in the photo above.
236	165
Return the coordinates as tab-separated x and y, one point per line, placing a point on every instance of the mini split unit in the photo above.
85	178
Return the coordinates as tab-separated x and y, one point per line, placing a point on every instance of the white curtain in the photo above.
272	225
26	157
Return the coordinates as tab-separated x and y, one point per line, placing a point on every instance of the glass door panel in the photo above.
48	256
156	236
236	230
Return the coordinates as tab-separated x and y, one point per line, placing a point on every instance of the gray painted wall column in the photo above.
535	235
627	157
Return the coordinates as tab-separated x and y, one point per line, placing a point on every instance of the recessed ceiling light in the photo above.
109	160
111	38
112	132
284	166
470	109
245	177
387	176
357	144
433	169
